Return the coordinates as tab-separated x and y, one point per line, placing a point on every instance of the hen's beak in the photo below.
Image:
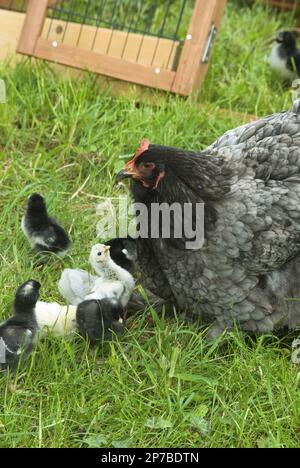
122	175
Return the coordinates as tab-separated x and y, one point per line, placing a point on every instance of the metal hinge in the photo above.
209	44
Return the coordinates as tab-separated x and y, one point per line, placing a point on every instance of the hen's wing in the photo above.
74	285
266	149
260	217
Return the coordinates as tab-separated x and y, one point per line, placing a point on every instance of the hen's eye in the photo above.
148	165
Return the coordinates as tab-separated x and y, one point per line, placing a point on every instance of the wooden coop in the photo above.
163	44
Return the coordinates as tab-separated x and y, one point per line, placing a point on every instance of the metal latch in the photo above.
209	43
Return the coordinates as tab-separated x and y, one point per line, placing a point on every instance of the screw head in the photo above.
157	71
189	37
54	43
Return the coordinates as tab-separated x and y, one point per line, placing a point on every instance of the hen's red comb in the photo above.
144	146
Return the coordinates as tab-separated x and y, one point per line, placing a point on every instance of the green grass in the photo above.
161	385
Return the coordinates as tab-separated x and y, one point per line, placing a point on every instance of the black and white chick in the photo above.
285	57
43	232
18	333
93	319
123	252
98	320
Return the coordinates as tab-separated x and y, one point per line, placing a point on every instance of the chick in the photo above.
285	57
111	282
18	333
42	231
60	320
123	252
75	284
98	320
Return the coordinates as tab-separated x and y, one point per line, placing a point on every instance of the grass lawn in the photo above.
161	385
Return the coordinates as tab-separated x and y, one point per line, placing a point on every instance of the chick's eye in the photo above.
99	254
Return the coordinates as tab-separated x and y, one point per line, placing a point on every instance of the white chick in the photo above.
112	281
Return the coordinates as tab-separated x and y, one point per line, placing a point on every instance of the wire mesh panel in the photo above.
148	42
140	32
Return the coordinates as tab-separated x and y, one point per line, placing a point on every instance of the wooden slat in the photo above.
104	64
145	50
191	71
33	25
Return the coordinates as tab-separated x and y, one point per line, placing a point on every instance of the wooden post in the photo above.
33	25
191	70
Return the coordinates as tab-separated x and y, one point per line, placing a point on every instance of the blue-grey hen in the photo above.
248	270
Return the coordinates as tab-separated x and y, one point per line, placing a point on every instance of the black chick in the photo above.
17	334
42	231
97	320
123	252
285	57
